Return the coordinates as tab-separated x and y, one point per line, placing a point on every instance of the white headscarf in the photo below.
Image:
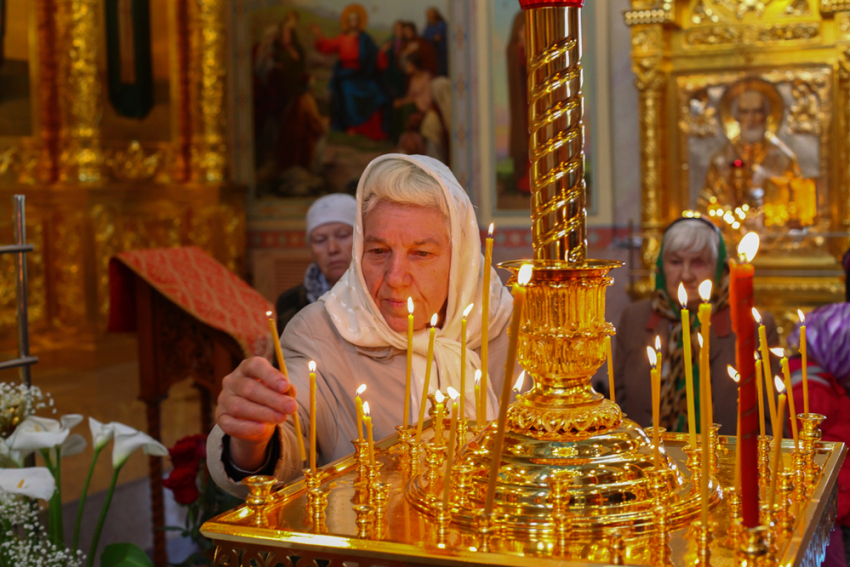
358	319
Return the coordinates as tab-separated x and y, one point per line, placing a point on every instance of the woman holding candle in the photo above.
692	251
415	236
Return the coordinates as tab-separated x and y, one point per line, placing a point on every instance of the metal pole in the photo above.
21	281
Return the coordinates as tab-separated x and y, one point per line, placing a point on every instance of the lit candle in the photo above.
519	383
312	367
302	452
359	404
447	477
523	278
658	355
786	373
741	302
610	367
370	439
463	361
439	413
654	383
406	418
704	316
760	393
777	423
689	370
765	361
704	445
733	374
777	454
803	356
424	400
485	323
478	394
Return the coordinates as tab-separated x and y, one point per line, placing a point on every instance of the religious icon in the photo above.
335	85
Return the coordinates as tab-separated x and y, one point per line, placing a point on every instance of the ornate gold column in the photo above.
844	108
651	71
80	91
46	150
208	65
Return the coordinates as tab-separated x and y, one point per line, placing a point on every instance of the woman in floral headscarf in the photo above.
828	364
692	251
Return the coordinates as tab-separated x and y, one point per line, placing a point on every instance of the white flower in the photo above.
36	433
73	445
34	482
128	440
101	433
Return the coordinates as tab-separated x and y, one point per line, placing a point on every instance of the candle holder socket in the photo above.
754	550
405	438
660	485
435	456
617	546
443	519
373	473
379	495
713	444
463	488
801	488
415	463
694	464
259	494
660	552
485	528
317	503
361	456
437	413
559	495
736	516
460	437
785	506
810	435
365	517
703	542
562	526
764	460
767	518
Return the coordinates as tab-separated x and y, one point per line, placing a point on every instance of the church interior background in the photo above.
134	124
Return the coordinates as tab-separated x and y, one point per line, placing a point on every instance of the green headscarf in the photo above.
673	388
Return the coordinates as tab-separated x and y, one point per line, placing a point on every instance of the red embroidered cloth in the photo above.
199	285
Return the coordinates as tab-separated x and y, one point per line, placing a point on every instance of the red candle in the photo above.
741	303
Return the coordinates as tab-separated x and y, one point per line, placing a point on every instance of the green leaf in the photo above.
124	555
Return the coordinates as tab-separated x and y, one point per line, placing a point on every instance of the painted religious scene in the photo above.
336	84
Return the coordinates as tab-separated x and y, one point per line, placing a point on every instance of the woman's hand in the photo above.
254	399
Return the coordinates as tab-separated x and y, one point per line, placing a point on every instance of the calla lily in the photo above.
101	433
73	445
36	433
34	482
128	440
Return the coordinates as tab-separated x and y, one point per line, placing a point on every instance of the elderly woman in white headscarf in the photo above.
415	236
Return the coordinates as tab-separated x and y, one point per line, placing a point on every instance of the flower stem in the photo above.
99	528
85	493
56	502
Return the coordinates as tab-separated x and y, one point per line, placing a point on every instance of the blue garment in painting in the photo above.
436	34
356	94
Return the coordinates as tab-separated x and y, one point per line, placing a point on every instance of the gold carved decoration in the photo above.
134	164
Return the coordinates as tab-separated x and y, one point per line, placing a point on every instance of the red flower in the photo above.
182	482
189	451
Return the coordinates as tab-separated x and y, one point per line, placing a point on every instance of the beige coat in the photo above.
342	367
637	329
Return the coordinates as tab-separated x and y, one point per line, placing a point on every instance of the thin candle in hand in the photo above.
302	452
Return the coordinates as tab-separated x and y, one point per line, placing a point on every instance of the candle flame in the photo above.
467	310
780	385
683	296
729	217
361	389
519	381
778	351
410	305
757	315
434	320
269	314
657	342
453	394
756	356
748	247
366	409
699	340
733	374
312	365
490	230
801	316
478	377
705	290
653	359
524	275
438	395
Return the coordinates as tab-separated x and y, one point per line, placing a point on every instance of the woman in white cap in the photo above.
415	236
330	224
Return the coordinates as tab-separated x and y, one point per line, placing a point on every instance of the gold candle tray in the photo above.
398	532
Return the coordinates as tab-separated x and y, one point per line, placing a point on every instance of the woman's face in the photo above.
406	253
690	268
330	245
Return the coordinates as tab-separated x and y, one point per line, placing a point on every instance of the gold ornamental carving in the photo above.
209	148
81	91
